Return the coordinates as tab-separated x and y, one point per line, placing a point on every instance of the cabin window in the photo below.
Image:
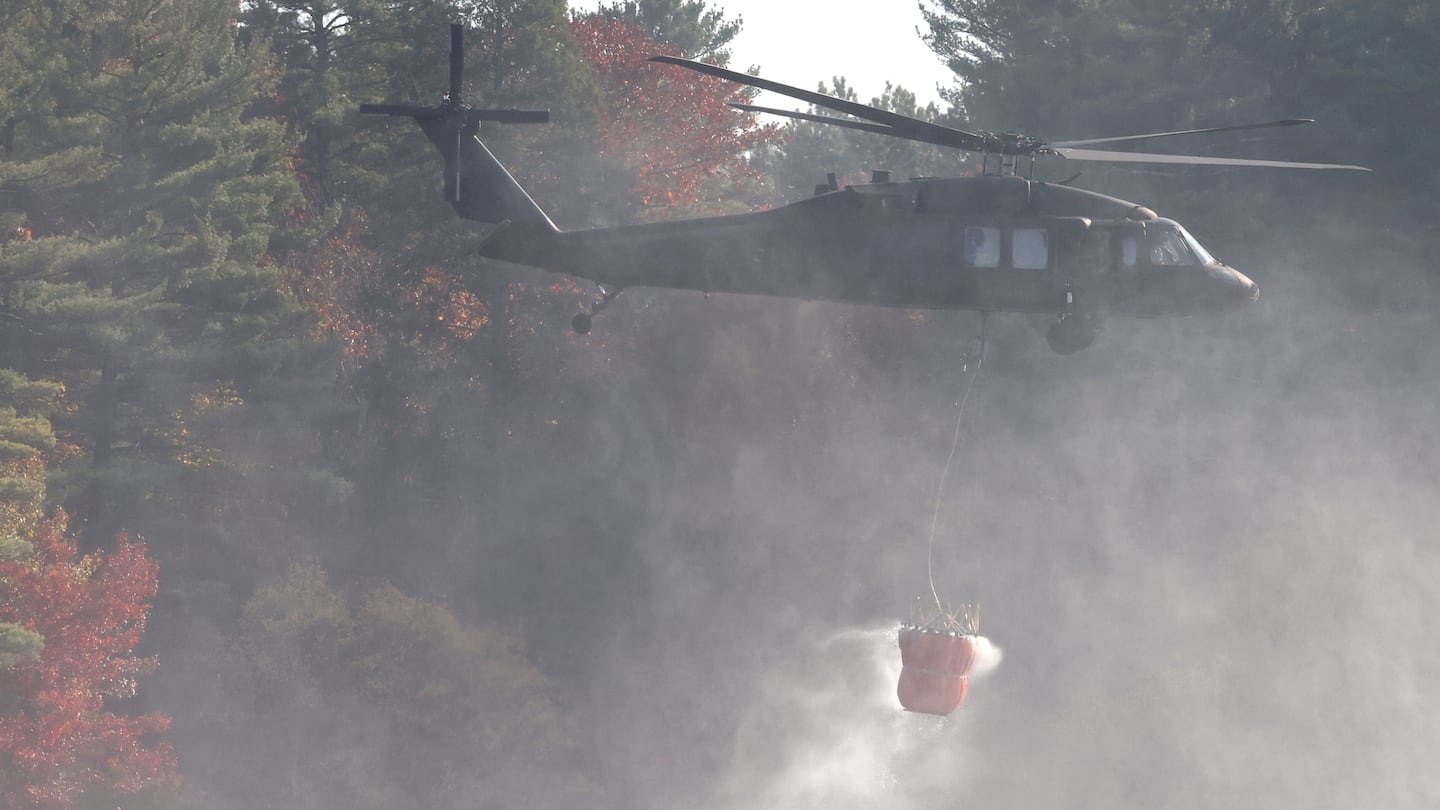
1030	249
1129	251
982	246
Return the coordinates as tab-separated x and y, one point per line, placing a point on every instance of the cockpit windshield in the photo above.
1172	245
1168	248
1200	251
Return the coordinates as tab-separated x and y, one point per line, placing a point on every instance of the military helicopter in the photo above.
997	242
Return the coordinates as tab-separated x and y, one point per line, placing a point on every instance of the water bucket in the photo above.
935	669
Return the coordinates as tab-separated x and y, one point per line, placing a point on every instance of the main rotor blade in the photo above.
904	126
1189	160
863	126
1288	122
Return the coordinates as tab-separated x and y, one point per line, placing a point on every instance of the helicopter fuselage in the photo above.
992	244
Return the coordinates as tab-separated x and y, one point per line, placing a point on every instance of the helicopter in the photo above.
994	242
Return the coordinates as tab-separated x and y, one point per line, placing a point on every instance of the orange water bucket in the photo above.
934	670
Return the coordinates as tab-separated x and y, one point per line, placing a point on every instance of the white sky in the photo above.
804	42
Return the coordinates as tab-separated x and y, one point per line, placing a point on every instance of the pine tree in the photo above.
693	28
138	272
812	150
25	437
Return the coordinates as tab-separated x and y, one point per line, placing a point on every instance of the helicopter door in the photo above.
1022	277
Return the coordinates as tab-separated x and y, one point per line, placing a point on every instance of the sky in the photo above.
804	42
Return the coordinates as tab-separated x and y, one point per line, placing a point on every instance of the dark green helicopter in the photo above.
997	242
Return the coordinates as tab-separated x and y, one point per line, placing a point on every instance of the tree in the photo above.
694	30
1369	74
139	272
60	734
1083	68
386	700
438	341
25	437
674	129
307	38
812	150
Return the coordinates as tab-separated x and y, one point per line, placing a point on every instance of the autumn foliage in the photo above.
674	127
344	283
335	278
59	737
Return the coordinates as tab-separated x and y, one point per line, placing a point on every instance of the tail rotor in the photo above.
452	105
476	185
453	111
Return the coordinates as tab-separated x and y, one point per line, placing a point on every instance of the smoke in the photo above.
825	730
1206	547
1201	543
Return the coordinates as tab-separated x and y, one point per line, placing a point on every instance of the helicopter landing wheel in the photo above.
1073	332
583	322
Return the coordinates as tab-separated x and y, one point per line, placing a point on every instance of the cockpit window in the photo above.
1169	248
982	246
1200	251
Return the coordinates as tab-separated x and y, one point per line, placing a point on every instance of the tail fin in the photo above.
476	184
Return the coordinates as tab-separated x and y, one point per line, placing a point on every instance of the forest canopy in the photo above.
382	516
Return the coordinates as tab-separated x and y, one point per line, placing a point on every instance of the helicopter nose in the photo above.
1239	289
1249	290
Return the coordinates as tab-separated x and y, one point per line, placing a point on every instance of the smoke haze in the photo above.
1203	545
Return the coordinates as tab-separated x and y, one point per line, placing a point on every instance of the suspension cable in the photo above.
954	444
